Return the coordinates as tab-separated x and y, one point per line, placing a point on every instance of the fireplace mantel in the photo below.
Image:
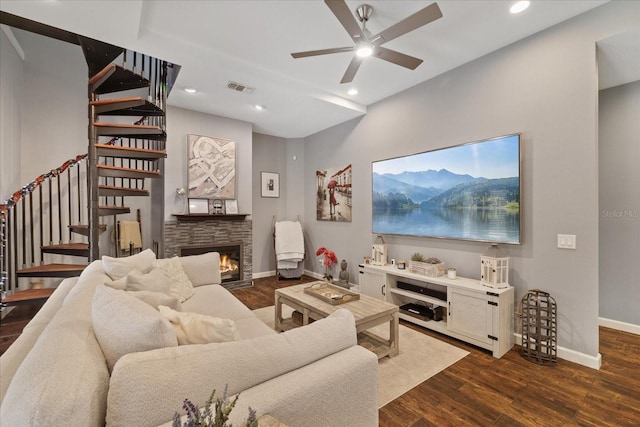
208	217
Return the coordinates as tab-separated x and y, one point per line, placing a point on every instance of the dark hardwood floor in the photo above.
482	390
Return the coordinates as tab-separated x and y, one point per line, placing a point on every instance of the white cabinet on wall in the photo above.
469	311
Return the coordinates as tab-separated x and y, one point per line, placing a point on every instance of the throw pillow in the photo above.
202	269
119	284
155	280
120	267
123	324
181	286
195	328
156	299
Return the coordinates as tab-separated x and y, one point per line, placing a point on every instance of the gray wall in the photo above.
11	88
544	87
619	152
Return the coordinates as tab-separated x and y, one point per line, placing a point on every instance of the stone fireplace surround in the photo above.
181	234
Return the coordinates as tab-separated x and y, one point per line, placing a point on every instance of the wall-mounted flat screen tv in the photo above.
469	192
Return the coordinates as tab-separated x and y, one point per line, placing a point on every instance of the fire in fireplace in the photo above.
230	258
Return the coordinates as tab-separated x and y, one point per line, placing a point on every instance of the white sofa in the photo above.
56	374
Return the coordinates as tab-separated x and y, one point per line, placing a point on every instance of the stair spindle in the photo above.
59	210
31	239
41	224
79	193
69	197
14	250
50	210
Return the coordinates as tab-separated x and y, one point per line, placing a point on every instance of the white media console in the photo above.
473	313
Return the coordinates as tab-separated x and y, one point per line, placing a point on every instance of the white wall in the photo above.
620	203
544	87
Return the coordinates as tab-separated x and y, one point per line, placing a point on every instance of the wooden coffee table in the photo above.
368	312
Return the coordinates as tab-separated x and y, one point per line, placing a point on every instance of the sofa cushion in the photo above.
155	280
195	328
216	301
240	364
156	299
123	324
181	286
120	267
202	269
64	379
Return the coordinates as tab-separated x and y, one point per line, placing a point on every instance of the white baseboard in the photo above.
594	362
620	326
263	274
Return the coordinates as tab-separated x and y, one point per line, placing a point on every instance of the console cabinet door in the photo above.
470	314
372	284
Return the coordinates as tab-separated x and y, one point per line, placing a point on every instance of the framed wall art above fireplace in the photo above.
212	167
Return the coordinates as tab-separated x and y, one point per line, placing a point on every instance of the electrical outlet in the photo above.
566	241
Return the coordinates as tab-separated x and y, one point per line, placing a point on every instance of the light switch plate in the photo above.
566	241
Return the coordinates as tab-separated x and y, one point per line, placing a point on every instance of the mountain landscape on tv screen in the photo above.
443	189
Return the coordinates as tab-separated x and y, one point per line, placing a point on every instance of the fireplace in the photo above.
230	258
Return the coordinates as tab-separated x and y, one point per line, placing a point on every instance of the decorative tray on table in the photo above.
331	294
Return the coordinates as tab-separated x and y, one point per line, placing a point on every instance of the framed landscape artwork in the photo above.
211	167
333	194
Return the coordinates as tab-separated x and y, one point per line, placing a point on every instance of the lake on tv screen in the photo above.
488	224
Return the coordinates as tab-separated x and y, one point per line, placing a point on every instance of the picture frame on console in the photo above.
270	184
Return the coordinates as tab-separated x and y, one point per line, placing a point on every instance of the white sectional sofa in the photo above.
56	373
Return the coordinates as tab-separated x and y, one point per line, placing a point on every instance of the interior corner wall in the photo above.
619	157
545	87
11	88
269	155
182	122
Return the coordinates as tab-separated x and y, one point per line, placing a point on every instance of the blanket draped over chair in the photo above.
289	244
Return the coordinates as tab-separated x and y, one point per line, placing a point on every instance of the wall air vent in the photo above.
239	87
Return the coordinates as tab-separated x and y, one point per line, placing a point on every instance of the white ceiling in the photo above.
250	42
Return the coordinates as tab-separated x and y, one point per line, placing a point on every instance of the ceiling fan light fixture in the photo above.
520	6
364	50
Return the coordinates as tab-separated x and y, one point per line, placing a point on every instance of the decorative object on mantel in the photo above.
181	200
214	414
212	167
379	252
231	206
494	268
198	206
431	267
331	294
216	207
328	259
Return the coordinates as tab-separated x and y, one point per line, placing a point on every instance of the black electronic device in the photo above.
441	295
416	310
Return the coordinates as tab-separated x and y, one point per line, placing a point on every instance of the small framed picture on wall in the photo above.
270	184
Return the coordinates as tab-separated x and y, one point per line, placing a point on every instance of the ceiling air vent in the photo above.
239	87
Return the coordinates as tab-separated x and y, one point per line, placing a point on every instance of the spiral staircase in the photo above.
50	224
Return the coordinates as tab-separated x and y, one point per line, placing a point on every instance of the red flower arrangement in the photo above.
329	260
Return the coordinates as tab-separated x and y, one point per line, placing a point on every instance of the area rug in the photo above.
421	357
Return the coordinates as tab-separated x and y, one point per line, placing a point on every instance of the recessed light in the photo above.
519	6
259	107
353	92
190	90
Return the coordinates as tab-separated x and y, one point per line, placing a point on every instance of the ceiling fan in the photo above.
371	45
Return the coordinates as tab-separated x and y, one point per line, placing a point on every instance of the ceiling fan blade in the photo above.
322	52
397	58
351	70
417	20
346	18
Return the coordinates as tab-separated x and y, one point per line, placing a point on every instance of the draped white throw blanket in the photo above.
289	244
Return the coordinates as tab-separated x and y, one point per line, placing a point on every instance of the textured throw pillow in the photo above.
195	328
202	269
181	286
156	299
155	280
119	284
123	324
120	267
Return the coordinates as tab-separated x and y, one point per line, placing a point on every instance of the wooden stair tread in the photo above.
114	78
52	270
72	245
113	210
120	172
127	126
112	190
130	106
29	296
83	229
70	249
106	150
